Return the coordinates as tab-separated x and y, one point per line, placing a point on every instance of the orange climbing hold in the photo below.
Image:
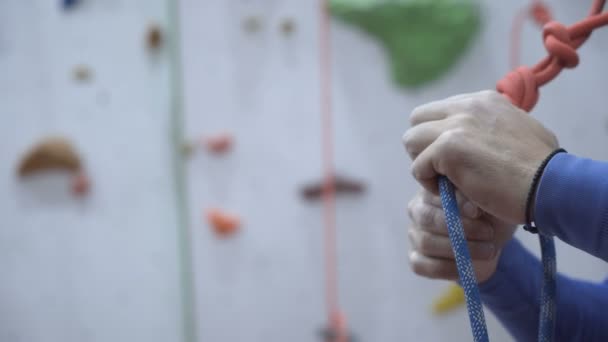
219	143
223	223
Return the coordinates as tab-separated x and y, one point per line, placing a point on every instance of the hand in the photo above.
486	146
432	255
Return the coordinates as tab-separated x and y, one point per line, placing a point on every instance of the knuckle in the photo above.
480	102
427	215
490	94
473	104
414	170
405	137
408	141
411	235
410	208
419	170
417	266
464	121
450	142
415	115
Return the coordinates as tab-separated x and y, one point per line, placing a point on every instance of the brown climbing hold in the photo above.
55	153
224	224
219	143
154	37
288	26
82	73
50	153
342	184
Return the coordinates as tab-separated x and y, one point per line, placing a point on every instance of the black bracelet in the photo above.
531	226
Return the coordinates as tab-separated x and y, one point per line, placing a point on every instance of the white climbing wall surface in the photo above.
106	268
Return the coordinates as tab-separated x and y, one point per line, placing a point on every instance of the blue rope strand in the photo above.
546	327
464	263
468	281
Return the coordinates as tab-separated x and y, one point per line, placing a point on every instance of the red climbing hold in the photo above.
80	184
219	144
224	224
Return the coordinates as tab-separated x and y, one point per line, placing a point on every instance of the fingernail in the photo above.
469	209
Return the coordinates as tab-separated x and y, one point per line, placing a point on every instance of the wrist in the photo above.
530	224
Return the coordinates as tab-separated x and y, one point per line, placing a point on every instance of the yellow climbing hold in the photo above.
452	298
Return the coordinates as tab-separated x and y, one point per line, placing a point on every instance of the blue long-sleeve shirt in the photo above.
571	204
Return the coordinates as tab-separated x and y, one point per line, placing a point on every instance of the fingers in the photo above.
436	110
437	268
447	156
439	246
432	220
436	138
417	138
432	267
467	208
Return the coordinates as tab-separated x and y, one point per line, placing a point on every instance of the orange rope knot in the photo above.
520	87
559	44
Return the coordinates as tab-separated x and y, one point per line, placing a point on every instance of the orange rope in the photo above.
522	84
336	321
538	12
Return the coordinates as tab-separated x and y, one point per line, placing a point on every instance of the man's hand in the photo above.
432	255
486	146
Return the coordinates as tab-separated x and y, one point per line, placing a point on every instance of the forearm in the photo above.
513	292
572	203
513	295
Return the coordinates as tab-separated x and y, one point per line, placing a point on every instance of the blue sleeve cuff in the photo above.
572	203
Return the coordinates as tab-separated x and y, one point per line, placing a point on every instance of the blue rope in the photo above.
468	281
464	263
546	327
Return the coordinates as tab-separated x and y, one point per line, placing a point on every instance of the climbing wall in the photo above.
106	267
266	283
102	267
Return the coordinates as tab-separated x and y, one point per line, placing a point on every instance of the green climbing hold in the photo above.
423	38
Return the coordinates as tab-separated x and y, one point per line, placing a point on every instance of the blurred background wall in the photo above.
108	267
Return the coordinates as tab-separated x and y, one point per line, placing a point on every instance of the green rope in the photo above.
179	172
